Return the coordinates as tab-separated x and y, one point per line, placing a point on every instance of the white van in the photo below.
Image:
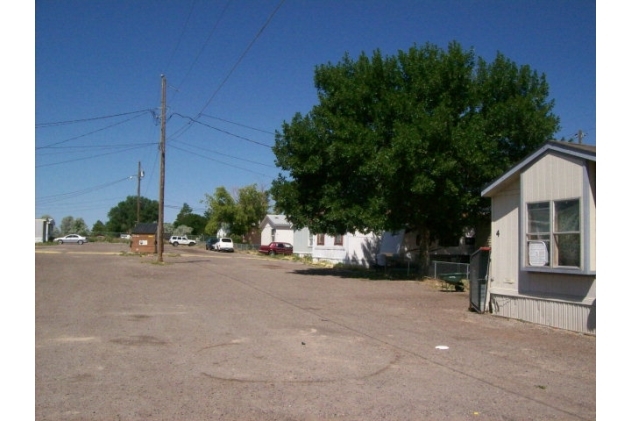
224	244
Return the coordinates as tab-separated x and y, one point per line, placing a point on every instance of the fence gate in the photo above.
478	279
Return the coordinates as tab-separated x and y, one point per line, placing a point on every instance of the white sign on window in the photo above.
537	253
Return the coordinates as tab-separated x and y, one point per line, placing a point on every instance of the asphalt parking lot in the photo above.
236	336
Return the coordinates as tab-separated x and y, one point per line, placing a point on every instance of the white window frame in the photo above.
543	248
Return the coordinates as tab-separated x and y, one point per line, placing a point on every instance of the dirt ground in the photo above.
235	336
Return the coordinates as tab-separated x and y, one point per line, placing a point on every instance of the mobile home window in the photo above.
339	240
320	239
554	234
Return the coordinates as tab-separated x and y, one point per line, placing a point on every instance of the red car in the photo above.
277	248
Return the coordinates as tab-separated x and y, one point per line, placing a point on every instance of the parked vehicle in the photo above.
72	238
277	248
210	243
224	244
125	237
176	240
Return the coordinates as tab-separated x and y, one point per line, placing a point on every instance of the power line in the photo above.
89	133
238	124
221	162
62	123
212	31
236	64
88	157
227	155
179	40
192	120
259	33
70	195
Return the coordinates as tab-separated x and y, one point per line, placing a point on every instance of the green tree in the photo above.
197	223
252	206
221	210
98	228
70	225
122	217
408	141
239	213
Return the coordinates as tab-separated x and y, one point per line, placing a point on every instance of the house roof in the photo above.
587	152
275	221
145	228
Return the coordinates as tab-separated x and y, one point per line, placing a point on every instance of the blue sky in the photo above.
241	68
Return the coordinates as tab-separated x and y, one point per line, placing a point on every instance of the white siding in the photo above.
285	235
357	249
504	274
553	178
302	242
266	234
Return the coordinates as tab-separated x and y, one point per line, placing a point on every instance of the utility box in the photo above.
144	238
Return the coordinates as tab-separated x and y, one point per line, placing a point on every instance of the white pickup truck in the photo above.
176	240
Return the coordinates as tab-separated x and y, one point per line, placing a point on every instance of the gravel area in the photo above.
236	336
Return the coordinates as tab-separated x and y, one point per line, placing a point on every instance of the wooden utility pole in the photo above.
163	129
140	175
580	136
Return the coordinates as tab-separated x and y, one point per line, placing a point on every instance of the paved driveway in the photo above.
213	336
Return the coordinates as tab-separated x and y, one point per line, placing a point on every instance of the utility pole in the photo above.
580	136
163	129
140	175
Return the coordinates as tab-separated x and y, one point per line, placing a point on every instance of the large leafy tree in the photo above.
408	141
186	217
122	217
239	213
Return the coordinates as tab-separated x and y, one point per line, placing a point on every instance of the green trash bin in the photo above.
454	279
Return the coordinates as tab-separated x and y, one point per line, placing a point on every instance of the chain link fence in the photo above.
443	268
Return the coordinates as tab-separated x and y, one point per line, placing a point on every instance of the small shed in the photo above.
144	238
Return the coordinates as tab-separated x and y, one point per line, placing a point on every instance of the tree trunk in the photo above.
423	250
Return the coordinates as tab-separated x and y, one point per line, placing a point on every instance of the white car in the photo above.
72	238
224	244
176	240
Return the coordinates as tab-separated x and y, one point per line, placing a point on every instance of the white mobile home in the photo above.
44	229
350	249
543	239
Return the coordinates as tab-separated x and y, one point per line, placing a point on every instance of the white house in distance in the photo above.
278	228
543	239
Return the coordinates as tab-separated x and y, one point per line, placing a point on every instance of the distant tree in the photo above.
182	230
221	210
252	206
408	141
239	213
98	228
122	217
70	225
168	228
197	223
